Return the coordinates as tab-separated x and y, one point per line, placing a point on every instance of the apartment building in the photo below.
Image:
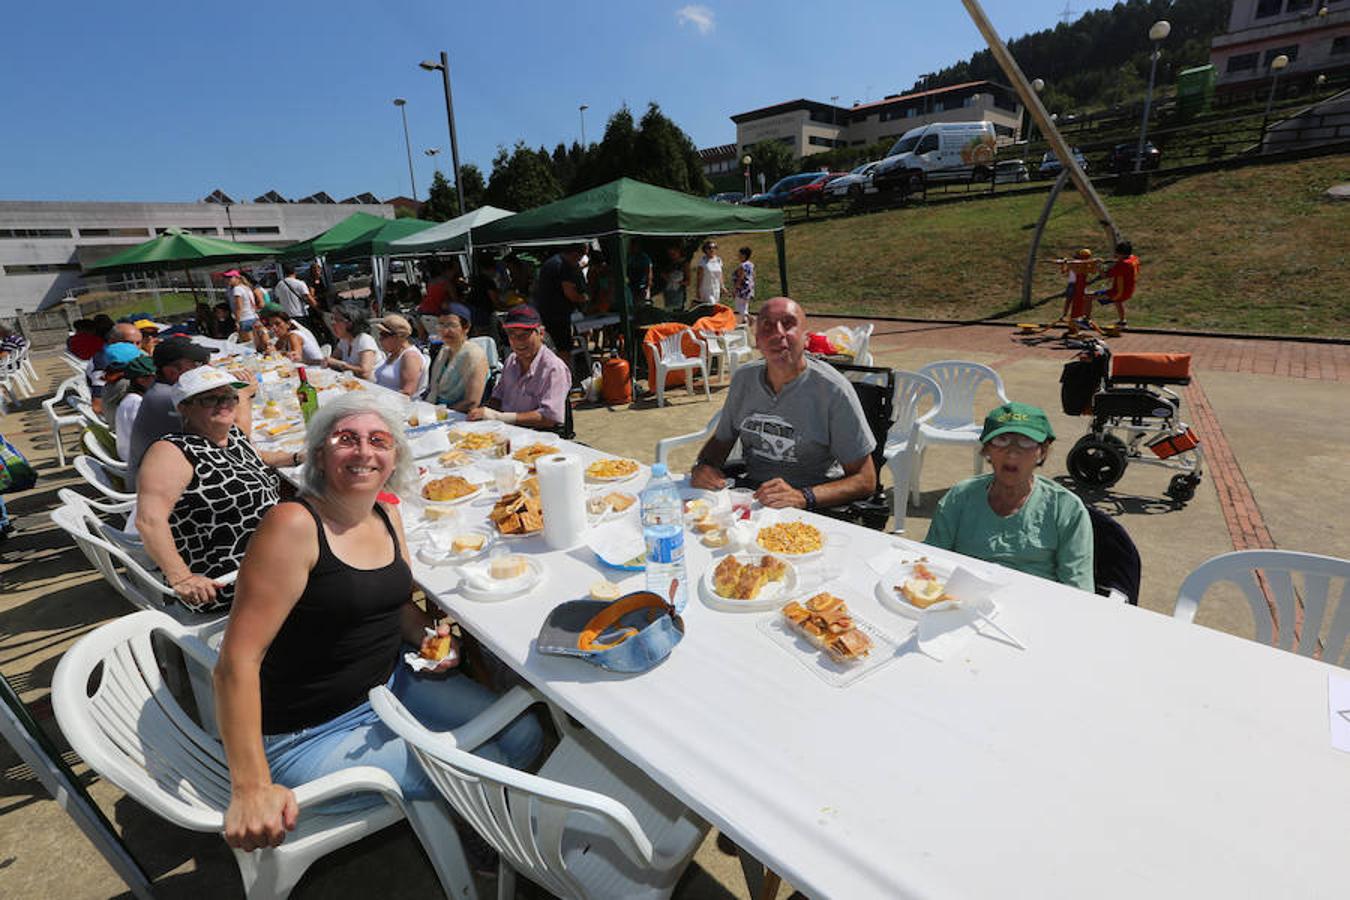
1313	34
45	246
808	126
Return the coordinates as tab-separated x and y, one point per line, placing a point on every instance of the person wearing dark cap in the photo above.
558	292
532	391
139	377
460	369
158	414
1013	516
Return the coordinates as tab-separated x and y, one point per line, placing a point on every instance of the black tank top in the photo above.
341	639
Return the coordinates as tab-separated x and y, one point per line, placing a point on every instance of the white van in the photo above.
939	151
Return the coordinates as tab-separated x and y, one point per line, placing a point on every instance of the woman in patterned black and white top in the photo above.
202	492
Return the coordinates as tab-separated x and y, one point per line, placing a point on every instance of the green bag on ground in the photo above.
15	472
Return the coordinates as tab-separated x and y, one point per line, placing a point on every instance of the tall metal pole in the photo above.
1276	65
229	221
407	142
1148	103
454	141
582	109
1038	114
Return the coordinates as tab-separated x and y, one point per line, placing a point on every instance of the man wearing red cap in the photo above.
532	391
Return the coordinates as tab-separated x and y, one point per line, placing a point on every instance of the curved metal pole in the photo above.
1030	272
1033	105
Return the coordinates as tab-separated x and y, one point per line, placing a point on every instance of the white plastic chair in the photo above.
739	347
1288	578
490	351
101	479
326	350
132	732
77	365
665	445
956	421
95	448
912	392
671	357
589	824
64	396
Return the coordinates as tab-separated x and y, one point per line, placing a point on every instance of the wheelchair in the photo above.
1134	409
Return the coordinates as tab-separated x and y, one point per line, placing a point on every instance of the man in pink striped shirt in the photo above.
532	390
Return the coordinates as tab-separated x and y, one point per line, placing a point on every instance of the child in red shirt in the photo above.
1124	272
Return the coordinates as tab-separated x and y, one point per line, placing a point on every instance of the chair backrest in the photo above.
71	386
101	479
1268	579
875	388
132	731
524	817
913	393
490	351
1115	558
95	448
960	381
672	346
123	573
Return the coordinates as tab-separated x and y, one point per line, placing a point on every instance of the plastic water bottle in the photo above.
663	531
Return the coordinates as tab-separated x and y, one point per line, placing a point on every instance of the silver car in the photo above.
853	185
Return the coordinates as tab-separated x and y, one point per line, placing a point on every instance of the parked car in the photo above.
813	191
1122	157
1011	171
1051	167
778	194
939	151
853	185
728	197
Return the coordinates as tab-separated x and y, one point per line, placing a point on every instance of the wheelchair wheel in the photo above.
1097	460
1182	488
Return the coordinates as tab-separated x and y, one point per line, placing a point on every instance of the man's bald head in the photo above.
125	333
779	305
780	333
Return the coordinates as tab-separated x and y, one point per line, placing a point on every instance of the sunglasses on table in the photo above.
350	440
219	401
1022	442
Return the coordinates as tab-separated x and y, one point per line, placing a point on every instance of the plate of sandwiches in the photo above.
451	490
518	514
612	469
829	639
606	507
749	582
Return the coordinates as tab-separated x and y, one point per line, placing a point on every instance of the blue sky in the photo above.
161	101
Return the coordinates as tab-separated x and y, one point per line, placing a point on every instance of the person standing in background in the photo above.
677	277
639	272
560	289
710	285
743	285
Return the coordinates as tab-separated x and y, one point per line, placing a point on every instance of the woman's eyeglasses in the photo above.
1004	441
350	440
218	401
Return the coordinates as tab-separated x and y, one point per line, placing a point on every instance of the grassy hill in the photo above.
1257	250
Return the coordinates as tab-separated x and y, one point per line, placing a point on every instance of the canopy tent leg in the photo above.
618	251
780	244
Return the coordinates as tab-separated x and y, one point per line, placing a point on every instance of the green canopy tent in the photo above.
349	230
375	244
626	208
454	236
177	248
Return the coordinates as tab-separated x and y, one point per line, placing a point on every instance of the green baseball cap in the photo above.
1017	418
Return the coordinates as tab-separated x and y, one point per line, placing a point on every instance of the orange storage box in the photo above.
1159	368
1167	447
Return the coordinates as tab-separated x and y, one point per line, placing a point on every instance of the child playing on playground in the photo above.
1077	307
743	282
1123	272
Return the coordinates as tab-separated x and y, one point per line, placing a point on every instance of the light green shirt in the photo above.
1050	536
450	373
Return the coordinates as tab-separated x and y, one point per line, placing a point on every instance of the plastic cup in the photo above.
742	499
504	476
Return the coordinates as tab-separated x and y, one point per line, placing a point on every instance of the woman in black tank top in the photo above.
322	608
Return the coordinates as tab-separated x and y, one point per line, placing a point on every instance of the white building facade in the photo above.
1313	34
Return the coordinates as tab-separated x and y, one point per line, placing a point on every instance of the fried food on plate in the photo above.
451	487
611	468
790	537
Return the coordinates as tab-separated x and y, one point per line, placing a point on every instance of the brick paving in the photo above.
1289	359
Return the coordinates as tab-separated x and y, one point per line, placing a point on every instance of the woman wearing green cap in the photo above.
1013	516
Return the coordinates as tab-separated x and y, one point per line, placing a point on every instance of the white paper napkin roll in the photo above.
562	492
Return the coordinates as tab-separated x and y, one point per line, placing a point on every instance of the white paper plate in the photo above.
502	590
824	539
612	479
836	674
557	448
895	601
433	556
458	501
771	596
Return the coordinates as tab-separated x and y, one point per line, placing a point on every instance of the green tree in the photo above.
773	158
441	204
522	179
666	157
475	187
614	157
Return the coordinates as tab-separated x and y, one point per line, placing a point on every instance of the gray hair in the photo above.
356	315
320	428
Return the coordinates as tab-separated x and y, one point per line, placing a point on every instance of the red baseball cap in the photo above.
522	316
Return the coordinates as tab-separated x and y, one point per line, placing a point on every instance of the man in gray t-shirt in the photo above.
802	430
157	415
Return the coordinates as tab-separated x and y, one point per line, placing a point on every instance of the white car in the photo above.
853	185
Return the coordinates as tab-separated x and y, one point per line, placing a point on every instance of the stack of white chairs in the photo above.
18	378
62	413
913	392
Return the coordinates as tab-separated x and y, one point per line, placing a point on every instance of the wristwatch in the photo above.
810	495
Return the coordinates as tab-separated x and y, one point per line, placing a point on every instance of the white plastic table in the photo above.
1122	754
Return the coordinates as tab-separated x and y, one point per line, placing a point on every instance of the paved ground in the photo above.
1271	414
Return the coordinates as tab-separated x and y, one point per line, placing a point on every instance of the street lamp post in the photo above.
433	152
229	222
444	67
745	161
1276	66
1157	34
582	109
407	142
1037	85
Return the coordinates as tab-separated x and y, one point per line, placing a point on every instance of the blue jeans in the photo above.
359	738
